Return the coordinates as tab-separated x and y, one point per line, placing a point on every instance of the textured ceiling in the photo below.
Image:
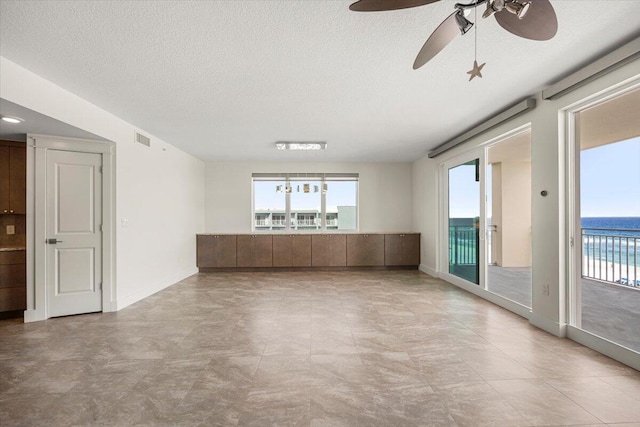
224	80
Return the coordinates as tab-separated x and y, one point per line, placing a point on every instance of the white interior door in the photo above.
74	237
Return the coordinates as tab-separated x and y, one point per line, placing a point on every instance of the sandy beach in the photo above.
609	271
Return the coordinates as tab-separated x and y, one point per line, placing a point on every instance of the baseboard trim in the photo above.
146	292
428	270
33	316
606	347
551	326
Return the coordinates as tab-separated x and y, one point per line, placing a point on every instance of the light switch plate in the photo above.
11	229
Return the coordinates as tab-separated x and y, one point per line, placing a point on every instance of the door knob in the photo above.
52	241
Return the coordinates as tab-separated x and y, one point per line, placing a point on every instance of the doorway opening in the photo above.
605	225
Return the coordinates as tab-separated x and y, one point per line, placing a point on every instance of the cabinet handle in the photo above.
5	211
11	211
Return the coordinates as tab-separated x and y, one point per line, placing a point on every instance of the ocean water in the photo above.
612	239
631	223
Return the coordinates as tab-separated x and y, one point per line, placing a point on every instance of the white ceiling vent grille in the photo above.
144	140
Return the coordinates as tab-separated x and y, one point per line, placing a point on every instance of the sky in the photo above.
464	192
610	180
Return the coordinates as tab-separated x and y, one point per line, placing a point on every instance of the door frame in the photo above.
37	146
478	151
573	253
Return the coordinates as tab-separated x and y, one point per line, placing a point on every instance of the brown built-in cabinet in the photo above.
254	250
292	250
216	251
327	250
402	249
13	281
13	179
365	250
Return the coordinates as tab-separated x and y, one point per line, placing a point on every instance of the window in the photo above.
310	201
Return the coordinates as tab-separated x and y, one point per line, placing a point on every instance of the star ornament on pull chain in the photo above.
476	70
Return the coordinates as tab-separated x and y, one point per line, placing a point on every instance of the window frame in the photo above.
290	179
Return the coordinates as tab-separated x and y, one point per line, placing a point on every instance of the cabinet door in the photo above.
365	250
245	251
205	251
263	251
411	249
337	250
225	251
402	249
282	251
320	256
13	281
5	187
329	250
300	251
18	180
393	254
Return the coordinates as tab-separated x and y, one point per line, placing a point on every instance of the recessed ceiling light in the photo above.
282	145
11	119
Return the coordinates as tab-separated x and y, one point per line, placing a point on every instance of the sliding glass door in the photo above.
486	218
462	234
464	220
605	285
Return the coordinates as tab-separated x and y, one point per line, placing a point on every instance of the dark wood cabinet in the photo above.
365	250
254	251
13	179
13	278
216	251
292	250
401	249
329	250
307	250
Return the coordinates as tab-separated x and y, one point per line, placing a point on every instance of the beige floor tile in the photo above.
541	404
383	348
602	400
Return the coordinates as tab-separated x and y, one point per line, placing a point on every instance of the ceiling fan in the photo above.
530	19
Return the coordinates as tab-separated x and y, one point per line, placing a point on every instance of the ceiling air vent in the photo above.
144	140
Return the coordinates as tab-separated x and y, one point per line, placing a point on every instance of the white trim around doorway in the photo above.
36	217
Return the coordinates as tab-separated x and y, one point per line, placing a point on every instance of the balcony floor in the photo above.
609	311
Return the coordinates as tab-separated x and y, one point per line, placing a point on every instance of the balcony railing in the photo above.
463	245
611	255
294	223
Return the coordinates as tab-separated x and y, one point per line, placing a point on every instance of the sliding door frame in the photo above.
479	152
568	121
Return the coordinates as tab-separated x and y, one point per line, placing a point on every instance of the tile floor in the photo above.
321	349
608	310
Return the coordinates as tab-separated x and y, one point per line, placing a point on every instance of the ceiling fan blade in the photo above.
381	5
540	22
441	37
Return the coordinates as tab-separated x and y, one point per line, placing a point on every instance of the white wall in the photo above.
159	190
514	229
549	217
384	193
